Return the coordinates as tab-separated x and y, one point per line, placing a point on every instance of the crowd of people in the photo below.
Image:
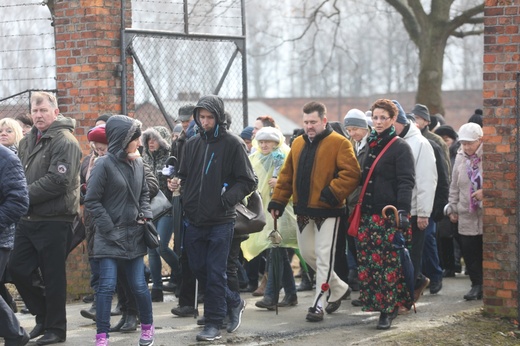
406	187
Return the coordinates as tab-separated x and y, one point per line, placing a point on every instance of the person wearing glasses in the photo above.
382	283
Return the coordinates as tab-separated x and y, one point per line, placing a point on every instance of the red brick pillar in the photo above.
501	65
88	65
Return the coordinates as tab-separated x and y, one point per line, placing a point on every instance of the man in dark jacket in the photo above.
51	157
14	204
215	174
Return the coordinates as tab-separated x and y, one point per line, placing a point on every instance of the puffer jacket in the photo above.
14	196
212	159
156	159
114	212
52	171
319	175
470	223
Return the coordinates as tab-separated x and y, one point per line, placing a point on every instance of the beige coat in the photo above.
459	200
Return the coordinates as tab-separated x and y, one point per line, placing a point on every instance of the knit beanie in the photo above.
355	118
247	133
401	115
268	134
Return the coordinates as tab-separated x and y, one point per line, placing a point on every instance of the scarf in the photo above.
475	179
376	143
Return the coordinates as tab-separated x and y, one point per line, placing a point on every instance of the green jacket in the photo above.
52	171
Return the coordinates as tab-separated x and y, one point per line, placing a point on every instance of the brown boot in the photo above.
259	292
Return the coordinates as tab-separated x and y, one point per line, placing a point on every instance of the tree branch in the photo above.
410	22
466	17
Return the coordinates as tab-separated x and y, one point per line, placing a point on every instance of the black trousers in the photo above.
418	238
42	245
340	257
473	257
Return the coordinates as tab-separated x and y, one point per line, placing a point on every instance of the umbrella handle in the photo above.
396	214
275	223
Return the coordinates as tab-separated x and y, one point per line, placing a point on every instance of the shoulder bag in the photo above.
250	218
150	236
160	205
355	218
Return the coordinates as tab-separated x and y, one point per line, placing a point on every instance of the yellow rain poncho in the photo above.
267	167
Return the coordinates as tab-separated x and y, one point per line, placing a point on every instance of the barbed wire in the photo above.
24	20
24	4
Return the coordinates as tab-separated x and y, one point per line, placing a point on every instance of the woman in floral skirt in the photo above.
382	284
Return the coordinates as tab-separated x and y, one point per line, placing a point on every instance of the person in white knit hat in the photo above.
356	125
357	128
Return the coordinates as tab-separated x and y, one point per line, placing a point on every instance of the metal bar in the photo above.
186	22
225	73
182	35
152	89
244	67
517	108
123	69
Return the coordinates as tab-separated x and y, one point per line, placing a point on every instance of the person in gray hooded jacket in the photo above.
156	143
118	223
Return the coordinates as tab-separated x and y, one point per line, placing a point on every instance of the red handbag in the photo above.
355	218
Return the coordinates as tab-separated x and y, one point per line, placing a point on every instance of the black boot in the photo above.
384	321
130	324
157	295
305	284
117	327
475	293
90	313
353	281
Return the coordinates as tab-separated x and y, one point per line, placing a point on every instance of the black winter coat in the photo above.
211	159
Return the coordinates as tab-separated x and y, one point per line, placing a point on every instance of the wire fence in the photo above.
27	54
183	50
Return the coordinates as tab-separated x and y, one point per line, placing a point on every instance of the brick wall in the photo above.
87	59
501	64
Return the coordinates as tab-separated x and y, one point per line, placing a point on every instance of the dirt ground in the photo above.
467	329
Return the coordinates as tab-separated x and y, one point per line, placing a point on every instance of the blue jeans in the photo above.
165	229
134	270
430	256
94	273
285	270
208	248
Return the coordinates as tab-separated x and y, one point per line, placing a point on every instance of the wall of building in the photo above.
501	66
88	53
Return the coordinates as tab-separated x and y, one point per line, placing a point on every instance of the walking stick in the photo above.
196	303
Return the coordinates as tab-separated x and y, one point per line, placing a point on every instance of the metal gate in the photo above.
170	69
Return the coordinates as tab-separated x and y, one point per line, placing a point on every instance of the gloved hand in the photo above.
404	221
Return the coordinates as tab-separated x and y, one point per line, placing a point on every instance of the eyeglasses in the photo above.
380	118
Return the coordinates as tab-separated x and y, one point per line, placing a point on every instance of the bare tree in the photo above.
430	33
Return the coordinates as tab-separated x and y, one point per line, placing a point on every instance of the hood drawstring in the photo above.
215	134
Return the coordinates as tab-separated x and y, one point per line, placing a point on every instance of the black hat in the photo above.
185	112
103	117
477	117
421	111
446	130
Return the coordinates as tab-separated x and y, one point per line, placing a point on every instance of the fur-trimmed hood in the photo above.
160	134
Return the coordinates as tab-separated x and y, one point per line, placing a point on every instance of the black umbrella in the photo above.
404	255
276	260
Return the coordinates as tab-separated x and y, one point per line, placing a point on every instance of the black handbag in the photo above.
160	205
250	218
151	237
